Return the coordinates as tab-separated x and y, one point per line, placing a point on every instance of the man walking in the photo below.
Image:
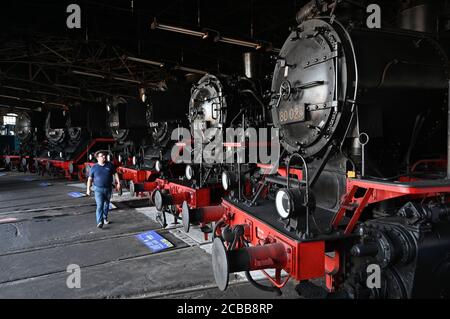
102	173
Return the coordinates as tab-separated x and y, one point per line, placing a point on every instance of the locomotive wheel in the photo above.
355	287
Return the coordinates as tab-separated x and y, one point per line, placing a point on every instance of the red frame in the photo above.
378	192
195	198
64	165
135	175
305	260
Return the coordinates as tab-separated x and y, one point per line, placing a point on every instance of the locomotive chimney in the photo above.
419	15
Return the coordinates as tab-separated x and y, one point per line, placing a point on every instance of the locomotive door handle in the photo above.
309	85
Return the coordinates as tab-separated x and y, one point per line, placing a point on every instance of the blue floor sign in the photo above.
45	184
76	194
154	241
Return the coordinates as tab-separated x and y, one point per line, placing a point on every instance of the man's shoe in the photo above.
106	221
100	225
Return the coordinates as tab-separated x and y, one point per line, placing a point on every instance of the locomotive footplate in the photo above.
407	187
266	213
172	196
54	167
252	238
377	191
175	192
11	161
136	175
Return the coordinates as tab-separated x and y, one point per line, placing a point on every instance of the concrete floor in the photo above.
43	230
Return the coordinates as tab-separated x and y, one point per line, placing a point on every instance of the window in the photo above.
11	120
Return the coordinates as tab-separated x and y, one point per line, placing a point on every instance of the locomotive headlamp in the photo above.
283	203
134	160
226	180
158	166
60	154
288	202
108	157
48	154
189	172
91	157
142	95
119	158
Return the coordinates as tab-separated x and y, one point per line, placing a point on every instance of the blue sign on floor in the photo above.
76	194
28	179
45	184
154	241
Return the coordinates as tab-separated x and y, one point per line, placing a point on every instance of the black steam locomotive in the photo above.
214	164
219	103
362	116
28	131
143	129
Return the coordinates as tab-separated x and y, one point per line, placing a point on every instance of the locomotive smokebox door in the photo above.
305	100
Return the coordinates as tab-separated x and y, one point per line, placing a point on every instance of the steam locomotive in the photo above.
71	136
363	181
28	131
362	184
217	103
143	134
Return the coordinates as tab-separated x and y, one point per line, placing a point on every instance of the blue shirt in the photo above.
103	175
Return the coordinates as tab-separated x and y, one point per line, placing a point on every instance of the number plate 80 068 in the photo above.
292	114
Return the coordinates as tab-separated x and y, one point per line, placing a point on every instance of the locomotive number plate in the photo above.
292	114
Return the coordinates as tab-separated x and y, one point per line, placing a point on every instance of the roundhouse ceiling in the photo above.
41	60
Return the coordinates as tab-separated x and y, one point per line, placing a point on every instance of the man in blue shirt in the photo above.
102	174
